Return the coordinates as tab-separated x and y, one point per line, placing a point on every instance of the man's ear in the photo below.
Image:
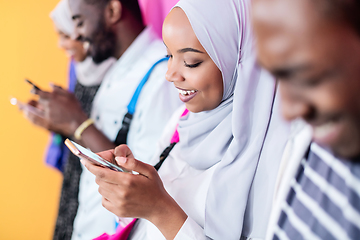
113	12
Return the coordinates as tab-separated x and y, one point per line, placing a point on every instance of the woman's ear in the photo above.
113	12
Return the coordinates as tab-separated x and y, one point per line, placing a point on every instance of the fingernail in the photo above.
121	160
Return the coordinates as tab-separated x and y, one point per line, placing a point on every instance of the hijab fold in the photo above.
89	73
61	16
233	134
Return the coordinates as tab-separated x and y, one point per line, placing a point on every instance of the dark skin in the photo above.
63	113
316	59
56	105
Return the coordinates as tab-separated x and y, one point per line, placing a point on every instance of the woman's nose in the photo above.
173	74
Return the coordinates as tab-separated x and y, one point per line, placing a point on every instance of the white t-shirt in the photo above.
157	101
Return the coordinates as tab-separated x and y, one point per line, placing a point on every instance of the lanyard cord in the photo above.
164	155
125	232
121	137
174	140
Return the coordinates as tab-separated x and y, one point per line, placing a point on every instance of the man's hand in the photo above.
62	111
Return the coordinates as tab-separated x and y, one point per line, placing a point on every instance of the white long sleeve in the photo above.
190	230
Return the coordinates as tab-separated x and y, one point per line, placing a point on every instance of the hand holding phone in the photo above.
26	107
85	153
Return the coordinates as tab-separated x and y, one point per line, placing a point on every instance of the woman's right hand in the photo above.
139	195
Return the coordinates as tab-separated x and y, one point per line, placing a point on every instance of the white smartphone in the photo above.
26	107
82	152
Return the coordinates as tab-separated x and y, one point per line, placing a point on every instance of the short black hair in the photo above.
347	11
131	5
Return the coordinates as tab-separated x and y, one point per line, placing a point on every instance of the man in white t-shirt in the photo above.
137	50
112	29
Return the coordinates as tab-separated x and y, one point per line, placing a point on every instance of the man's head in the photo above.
97	22
313	49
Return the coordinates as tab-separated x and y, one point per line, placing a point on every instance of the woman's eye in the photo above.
168	56
192	65
80	24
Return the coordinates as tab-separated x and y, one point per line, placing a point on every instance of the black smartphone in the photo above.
33	84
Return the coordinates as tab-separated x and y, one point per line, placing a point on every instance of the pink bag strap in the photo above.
121	233
175	137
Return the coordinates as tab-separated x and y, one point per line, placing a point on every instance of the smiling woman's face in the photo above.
190	68
73	48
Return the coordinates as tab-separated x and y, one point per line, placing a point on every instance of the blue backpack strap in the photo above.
121	137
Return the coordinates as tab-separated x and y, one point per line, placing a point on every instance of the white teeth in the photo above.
323	130
86	46
185	93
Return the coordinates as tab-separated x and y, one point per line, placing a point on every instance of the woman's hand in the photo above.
137	195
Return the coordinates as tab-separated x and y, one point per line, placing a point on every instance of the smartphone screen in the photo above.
82	152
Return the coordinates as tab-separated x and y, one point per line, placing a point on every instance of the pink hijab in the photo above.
155	11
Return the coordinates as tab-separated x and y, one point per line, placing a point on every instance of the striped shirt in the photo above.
323	201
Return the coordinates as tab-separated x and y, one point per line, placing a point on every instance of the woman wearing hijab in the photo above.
85	78
216	177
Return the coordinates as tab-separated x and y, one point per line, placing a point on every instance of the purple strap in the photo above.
57	152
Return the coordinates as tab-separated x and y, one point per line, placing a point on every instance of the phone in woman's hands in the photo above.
95	159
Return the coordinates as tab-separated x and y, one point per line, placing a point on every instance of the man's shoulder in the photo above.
155	49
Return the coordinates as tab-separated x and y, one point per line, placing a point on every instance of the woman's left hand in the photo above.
137	195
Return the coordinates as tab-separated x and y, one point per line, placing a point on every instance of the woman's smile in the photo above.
186	95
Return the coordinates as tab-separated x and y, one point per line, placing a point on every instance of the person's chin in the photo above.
98	59
340	138
346	151
193	108
348	148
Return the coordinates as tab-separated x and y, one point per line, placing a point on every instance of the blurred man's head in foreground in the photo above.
313	48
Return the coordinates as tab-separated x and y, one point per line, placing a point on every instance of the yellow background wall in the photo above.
29	190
